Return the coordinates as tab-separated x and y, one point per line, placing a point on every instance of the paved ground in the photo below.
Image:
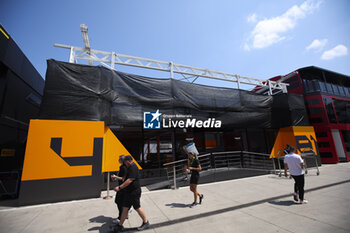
255	204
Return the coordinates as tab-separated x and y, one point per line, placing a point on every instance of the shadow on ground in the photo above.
178	205
282	203
105	221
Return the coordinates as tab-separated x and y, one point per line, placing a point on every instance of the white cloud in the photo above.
337	51
246	47
317	45
252	18
270	31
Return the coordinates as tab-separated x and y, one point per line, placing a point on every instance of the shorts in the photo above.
132	199
194	178
119	197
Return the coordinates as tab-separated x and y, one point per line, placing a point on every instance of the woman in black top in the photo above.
194	166
121	178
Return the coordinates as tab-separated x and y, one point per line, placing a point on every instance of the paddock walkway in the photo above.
255	204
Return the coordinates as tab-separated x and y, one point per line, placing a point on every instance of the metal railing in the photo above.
218	161
176	170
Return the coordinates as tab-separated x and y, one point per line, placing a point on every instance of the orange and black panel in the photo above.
301	137
64	160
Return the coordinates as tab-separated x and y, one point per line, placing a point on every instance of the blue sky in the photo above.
252	38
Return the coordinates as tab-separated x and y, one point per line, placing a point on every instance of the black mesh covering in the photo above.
82	92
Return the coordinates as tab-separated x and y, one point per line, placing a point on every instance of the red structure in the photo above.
327	99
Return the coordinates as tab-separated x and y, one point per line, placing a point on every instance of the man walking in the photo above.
295	164
132	189
120	195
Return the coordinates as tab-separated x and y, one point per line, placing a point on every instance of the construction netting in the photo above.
83	92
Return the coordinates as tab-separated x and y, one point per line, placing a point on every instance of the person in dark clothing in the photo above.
120	195
194	167
132	196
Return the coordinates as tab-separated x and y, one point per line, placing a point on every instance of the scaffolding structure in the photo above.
110	59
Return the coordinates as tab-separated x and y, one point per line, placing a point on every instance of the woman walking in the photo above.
194	167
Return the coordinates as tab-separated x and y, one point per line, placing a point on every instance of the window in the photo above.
316	84
306	85
342	108
346	137
315	110
309	86
312	86
322	86
346	90
292	79
341	90
312	101
329	88
326	154
321	134
293	86
323	144
210	140
329	109
316	120
335	89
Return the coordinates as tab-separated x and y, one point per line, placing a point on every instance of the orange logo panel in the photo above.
53	145
301	137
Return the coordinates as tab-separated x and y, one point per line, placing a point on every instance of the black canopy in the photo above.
82	92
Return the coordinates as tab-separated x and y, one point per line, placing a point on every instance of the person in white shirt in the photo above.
295	164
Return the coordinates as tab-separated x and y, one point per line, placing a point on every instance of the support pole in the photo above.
158	151
174	170
72	55
238	83
270	89
108	197
113	60
171	64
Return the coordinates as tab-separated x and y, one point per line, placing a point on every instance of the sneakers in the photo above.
115	221
193	204
303	201
200	199
118	228
295	196
144	226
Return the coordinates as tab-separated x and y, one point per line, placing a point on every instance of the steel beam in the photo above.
110	59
